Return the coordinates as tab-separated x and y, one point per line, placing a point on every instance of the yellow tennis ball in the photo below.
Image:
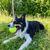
12	30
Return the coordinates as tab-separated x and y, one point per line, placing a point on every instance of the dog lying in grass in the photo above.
25	29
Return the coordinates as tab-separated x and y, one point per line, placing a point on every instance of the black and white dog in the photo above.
25	29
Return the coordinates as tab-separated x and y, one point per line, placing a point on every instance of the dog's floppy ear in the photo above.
23	16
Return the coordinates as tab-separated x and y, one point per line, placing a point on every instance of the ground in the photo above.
41	40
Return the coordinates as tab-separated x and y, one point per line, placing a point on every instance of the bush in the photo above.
28	6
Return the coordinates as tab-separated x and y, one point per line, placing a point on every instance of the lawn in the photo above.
41	41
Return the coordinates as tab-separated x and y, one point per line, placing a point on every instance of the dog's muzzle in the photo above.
11	24
17	25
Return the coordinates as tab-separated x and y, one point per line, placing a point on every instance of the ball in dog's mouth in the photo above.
12	29
15	28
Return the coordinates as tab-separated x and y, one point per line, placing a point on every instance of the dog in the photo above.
25	29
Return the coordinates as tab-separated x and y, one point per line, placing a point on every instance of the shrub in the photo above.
28	6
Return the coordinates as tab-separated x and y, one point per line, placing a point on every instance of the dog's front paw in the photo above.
6	41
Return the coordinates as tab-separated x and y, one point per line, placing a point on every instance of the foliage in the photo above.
33	7
5	5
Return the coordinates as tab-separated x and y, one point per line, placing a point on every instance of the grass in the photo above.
41	40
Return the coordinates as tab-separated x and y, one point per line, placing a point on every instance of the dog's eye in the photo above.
15	22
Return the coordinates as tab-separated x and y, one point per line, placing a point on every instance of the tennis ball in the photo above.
12	29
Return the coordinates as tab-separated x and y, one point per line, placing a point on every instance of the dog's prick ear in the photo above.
16	18
23	16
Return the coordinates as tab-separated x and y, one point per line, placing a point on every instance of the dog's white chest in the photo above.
20	34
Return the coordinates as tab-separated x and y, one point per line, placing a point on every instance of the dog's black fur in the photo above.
33	26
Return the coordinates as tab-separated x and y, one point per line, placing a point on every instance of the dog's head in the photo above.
19	23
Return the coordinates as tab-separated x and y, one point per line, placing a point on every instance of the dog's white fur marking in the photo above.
11	24
6	41
21	35
26	43
25	27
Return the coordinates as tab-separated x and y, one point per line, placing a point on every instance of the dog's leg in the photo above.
28	41
17	35
6	41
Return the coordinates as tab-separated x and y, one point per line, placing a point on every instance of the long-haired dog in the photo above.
25	29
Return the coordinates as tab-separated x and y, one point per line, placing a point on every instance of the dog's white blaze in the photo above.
11	24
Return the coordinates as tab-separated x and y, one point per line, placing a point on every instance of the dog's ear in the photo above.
23	16
16	18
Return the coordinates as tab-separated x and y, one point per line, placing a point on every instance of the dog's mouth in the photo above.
18	26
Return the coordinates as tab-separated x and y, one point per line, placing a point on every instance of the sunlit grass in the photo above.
5	19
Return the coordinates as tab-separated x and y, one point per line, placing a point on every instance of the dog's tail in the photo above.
42	27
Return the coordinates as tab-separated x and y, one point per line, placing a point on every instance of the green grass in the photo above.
41	40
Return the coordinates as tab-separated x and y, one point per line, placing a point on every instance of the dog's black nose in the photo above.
8	25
